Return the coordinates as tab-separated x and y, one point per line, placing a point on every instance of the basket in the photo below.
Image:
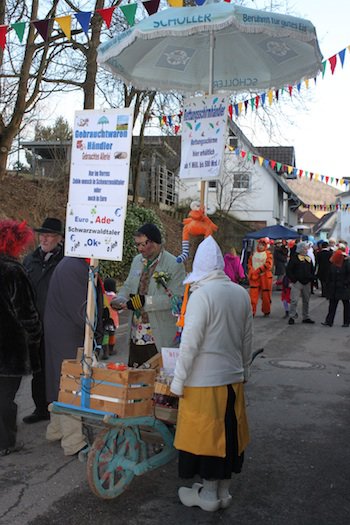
125	393
162	388
162	412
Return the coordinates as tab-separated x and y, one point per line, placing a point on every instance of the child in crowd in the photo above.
110	318
285	295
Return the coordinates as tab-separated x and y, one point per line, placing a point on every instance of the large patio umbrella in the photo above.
217	47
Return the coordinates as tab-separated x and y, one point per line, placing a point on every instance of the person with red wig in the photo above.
20	328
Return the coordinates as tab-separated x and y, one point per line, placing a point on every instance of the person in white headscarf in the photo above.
213	363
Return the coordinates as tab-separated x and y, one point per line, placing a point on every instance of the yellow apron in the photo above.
200	427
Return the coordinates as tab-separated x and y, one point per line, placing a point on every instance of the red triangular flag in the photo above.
151	6
254	157
43	27
3	31
257	99
333	62
243	154
106	14
176	129
290	89
272	164
230	111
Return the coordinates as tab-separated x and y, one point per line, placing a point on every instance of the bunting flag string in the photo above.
328	207
279	167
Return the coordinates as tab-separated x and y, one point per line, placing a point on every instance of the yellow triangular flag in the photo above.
240	106
65	23
270	97
316	176
261	160
289	169
176	3
307	83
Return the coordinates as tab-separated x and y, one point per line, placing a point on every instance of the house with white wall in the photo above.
250	191
342	223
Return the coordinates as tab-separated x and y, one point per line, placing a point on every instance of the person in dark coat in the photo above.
338	287
323	265
40	265
300	272
20	328
64	328
280	258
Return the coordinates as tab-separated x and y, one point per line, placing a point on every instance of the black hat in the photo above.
50	225
151	232
110	284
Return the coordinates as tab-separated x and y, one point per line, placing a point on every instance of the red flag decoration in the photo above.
230	111
272	164
151	6
106	14
3	31
243	154
43	28
290	89
176	129
333	62
83	18
257	100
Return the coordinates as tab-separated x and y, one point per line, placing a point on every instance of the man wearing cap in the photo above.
301	273
40	265
152	324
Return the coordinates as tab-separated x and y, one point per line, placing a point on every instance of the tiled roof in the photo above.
282	154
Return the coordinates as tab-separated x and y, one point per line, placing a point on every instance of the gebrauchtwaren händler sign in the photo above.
99	179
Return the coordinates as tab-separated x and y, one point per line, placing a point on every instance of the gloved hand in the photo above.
136	302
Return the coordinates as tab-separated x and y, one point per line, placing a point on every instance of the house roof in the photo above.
326	223
48	149
282	154
308	217
313	191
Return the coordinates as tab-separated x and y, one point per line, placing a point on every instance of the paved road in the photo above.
297	467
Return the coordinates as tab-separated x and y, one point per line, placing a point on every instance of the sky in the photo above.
318	131
320	134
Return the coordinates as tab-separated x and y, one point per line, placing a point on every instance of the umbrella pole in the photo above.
203	190
90	317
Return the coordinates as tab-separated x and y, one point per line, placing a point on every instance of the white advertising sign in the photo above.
99	180
169	358
203	137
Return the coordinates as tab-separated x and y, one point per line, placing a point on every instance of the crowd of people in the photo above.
43	322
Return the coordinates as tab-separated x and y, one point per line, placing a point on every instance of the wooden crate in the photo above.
161	388
126	393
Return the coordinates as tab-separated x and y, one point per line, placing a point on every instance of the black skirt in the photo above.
212	467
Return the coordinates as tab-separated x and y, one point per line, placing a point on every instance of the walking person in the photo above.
338	286
215	354
40	265
233	267
323	265
20	328
300	272
260	277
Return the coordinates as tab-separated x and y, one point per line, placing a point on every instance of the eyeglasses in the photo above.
142	244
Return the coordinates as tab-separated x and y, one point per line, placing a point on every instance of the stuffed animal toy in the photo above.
197	223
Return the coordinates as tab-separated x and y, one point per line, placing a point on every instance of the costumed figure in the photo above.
260	276
197	223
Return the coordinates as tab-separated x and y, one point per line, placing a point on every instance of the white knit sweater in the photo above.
216	342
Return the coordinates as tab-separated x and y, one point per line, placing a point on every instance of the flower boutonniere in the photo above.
162	278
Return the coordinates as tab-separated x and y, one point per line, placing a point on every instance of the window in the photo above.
212	185
233	142
241	180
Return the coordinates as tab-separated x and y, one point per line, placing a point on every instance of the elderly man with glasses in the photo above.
40	265
151	290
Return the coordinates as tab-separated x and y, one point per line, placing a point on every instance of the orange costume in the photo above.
260	277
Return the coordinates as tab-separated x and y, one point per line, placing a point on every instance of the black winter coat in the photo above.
300	270
20	327
40	272
338	283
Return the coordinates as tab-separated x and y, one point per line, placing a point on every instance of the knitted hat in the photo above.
50	225
151	232
208	258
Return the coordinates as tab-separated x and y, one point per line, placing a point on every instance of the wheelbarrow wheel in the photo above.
106	476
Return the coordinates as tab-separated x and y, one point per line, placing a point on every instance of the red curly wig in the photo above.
15	237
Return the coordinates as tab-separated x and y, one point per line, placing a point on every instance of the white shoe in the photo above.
190	498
